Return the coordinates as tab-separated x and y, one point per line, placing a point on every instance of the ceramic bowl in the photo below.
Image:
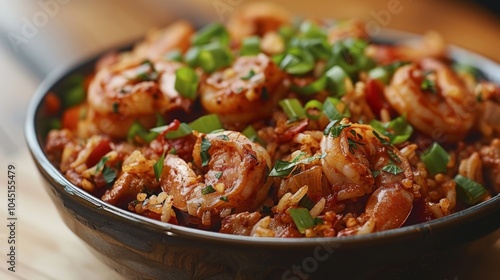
138	247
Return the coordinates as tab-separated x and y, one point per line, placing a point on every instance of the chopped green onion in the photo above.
468	69
331	109
469	191
215	32
306	202
318	47
210	58
309	29
251	134
207	190
224	198
158	167
286	32
206	123
380	73
183	130
293	109
108	174
392	168
250	46
146	72
139	130
349	55
174	55
314	105
435	159
336	80
311	88
218	175
74	91
295	61
302	219
205	156
398	130
186	82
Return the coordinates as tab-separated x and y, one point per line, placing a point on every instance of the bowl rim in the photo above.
34	144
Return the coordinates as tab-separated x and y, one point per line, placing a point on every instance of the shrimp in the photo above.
447	114
124	93
175	36
350	163
257	19
233	176
431	45
246	92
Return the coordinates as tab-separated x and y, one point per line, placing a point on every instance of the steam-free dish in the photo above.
270	126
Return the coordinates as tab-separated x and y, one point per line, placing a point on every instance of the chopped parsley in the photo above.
158	167
392	168
205	156
207	190
250	74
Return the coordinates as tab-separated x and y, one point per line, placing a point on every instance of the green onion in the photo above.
435	159
210	58
207	190
380	73
74	91
183	130
293	109
146	72
174	55
311	88
306	202
205	156
392	168
468	69
469	191
215	32
250	46
139	130
318	47
302	219
158	167
295	61
108	174
206	123
315	106
336	80
398	130
186	82
331	111
308	29
349	55
428	86
224	198
218	175
251	134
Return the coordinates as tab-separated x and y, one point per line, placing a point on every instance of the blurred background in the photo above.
39	36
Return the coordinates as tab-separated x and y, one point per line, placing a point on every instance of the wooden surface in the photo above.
46	249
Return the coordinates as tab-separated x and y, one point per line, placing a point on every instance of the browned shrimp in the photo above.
446	113
350	163
128	92
256	19
234	176
245	92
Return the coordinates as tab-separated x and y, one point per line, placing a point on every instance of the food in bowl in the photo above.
270	127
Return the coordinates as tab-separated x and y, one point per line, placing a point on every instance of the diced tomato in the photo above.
52	104
375	96
102	148
71	116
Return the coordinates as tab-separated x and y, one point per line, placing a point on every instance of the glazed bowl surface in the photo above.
141	248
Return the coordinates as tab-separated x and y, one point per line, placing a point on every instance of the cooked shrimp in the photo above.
246	92
124	93
175	36
447	114
234	176
256	19
349	163
430	45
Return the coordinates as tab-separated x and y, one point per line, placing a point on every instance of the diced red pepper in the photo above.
102	148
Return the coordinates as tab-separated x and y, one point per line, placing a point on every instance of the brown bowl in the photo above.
138	247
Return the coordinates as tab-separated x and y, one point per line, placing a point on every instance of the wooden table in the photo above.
46	249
